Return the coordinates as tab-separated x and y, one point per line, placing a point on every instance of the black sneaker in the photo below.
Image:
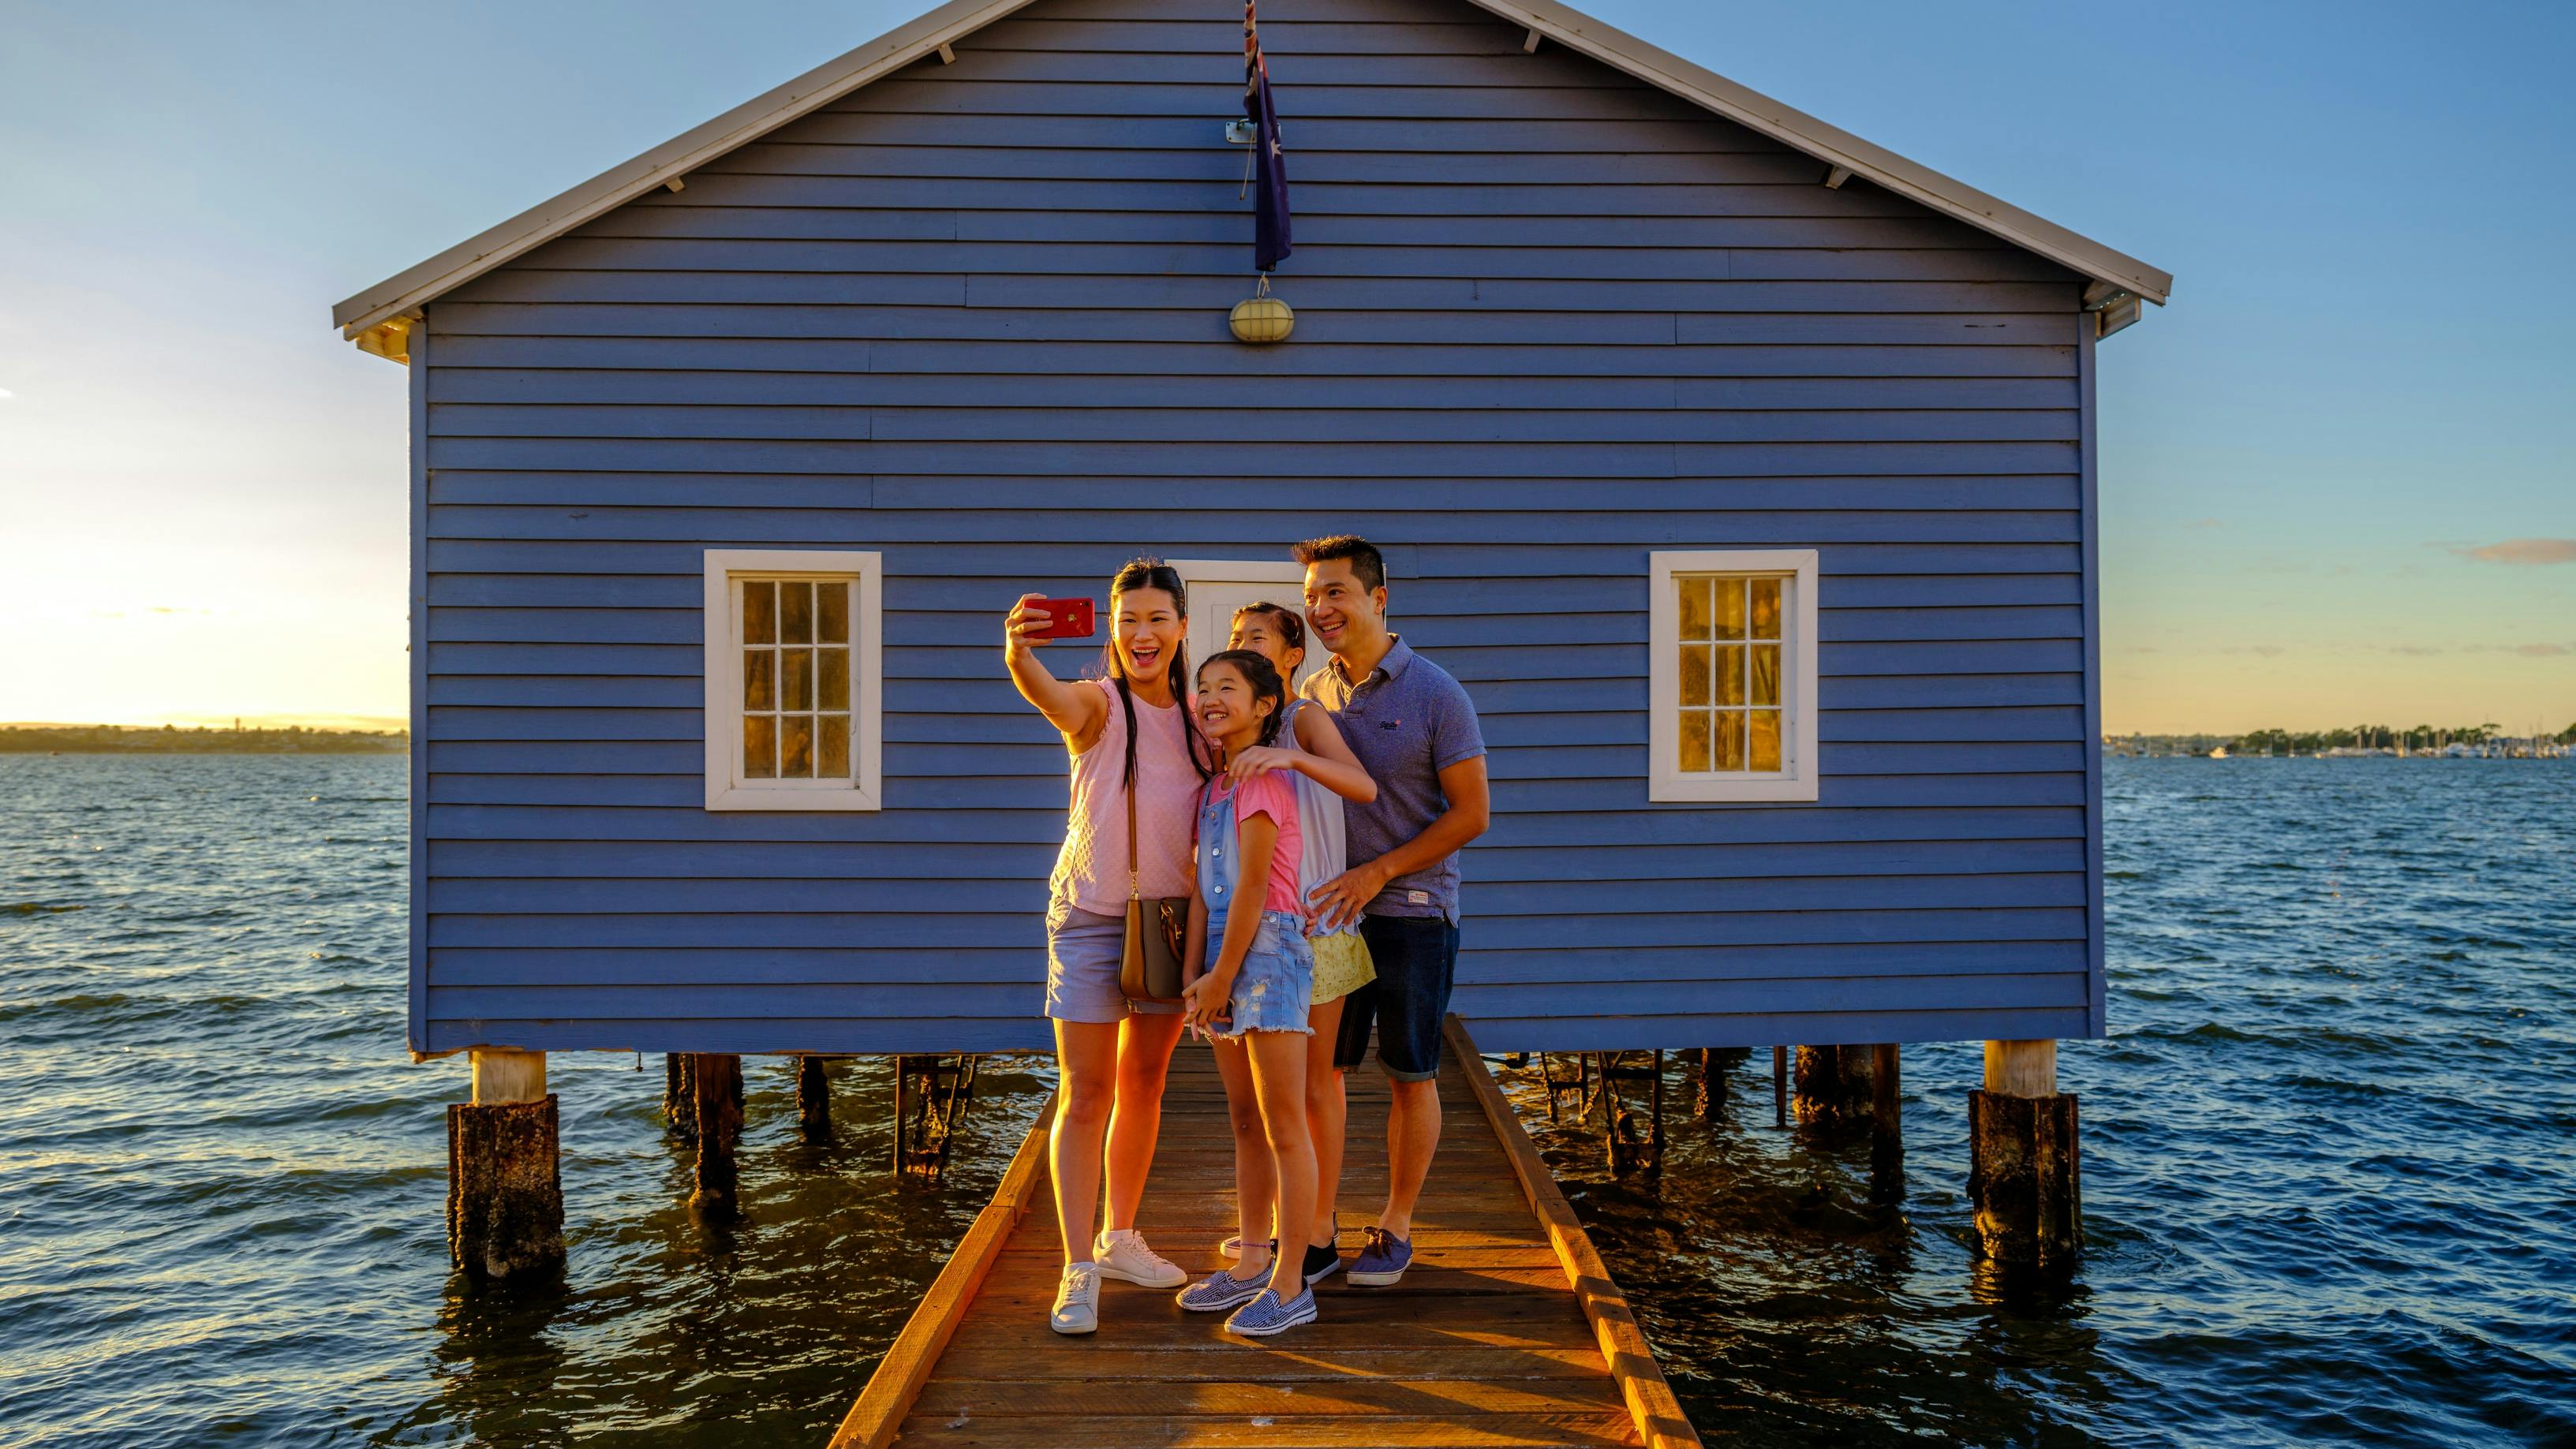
1321	1263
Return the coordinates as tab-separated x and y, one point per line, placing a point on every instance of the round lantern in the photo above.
1261	319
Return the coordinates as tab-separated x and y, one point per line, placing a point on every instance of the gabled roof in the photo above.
377	318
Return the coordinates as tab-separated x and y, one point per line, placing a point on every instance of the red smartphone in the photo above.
1066	618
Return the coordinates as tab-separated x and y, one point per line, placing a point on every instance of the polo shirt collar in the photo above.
1399	657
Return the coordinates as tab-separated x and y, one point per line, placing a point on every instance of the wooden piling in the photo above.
813	1100
1712	1082
1832	1085
1779	1086
2024	1169
504	1170
717	1080
1886	1121
679	1098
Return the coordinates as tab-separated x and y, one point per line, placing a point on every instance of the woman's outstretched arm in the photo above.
1078	712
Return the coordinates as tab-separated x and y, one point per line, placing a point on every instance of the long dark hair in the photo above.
1263	676
1153	573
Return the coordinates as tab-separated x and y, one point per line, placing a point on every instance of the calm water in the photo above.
2328	1177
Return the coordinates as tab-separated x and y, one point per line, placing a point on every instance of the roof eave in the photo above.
403	294
669	161
1832	145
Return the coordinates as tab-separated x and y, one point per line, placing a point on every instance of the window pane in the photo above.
1766	608
1695	667
795	613
759	747
833	756
1730	739
1766	739
759	612
1730	674
1694	741
835	672
1730	608
1694	594
1766	674
759	679
795	679
832	612
796	746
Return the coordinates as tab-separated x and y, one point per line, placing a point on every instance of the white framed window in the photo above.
794	666
1732	677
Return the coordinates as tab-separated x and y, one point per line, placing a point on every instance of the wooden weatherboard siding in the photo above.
972	317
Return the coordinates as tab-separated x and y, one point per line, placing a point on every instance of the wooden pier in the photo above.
1507	1331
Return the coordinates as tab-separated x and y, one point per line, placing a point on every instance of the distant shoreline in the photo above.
136	740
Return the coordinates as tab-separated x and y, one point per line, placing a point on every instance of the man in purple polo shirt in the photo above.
1414	730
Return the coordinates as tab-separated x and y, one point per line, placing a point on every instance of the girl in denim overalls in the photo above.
1248	932
1326	773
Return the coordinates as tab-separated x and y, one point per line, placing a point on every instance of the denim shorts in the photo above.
1278	976
1083	952
1417	962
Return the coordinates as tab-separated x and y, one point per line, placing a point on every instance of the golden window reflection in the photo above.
795	612
833	691
1694	607
1729	691
796	697
1765	752
832	747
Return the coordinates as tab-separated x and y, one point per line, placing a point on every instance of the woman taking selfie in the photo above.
1136	756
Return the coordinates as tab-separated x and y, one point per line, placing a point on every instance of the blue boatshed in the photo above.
1742	470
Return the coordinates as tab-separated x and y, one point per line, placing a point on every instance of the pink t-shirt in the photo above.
1273	795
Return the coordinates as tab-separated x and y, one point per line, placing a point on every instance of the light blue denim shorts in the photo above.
1083	951
1277	979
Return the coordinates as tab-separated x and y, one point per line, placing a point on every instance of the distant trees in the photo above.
2369	737
168	740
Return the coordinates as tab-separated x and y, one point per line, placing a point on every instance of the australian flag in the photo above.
1270	163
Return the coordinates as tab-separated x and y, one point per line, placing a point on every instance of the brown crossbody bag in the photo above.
1150	967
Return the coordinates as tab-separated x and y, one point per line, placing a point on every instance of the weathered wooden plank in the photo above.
1005	424
734	930
1556	898
1288	1431
745	215
909	860
986	1402
1306	1365
1409	562
1354	388
665	269
1488	961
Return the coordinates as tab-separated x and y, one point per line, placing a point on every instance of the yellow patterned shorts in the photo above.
1342	965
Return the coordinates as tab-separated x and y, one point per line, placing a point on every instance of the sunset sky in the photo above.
2336	473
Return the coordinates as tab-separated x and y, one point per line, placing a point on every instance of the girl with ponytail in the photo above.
1130	737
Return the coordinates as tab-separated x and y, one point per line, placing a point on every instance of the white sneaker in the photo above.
1077	1300
1123	1255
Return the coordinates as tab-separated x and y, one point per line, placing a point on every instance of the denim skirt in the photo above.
1278	976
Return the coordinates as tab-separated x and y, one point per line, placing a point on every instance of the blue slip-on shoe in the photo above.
1220	1291
1382	1262
1266	1315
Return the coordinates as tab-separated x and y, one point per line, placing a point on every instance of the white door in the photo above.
1218	587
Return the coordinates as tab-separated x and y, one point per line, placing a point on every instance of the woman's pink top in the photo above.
1274	795
1091	870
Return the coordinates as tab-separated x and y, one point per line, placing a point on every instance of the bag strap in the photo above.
1133	894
